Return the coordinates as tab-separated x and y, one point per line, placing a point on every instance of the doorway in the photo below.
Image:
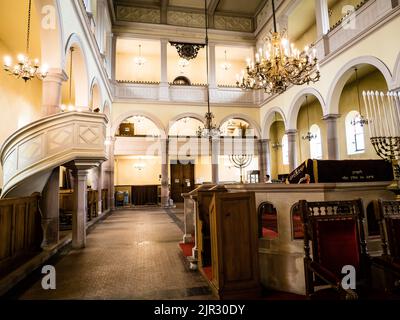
182	179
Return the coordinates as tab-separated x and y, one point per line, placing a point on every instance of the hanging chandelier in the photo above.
309	135
182	63
210	129
360	118
279	65
226	65
276	145
71	106
25	68
140	60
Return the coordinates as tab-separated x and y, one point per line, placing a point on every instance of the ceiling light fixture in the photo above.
71	106
226	65
279	65
183	62
309	136
359	119
210	129
25	68
276	145
140	60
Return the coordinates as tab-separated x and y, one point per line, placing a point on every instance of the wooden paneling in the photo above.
92	204
20	231
144	195
234	245
104	200
66	209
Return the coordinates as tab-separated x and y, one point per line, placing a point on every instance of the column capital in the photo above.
291	132
56	75
331	116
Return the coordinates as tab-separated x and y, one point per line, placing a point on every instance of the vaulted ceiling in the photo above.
232	15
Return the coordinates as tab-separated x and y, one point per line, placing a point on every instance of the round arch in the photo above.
396	75
297	103
107	109
82	91
343	75
254	125
184	115
269	119
96	96
128	114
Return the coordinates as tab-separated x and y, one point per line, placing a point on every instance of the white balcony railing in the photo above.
182	94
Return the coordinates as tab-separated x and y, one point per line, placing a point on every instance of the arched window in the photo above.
354	133
285	150
268	221
181	81
316	144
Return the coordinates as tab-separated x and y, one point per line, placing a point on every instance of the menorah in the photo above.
383	114
241	161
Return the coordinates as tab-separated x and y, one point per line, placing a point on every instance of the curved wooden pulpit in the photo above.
234	246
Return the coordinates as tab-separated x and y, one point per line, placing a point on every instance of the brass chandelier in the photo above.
25	68
279	65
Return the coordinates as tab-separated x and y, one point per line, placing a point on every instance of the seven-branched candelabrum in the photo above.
279	66
383	114
241	161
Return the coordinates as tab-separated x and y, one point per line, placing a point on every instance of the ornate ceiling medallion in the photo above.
187	51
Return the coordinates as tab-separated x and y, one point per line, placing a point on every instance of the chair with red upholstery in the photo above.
388	216
335	230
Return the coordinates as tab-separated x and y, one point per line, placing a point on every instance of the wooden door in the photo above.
182	180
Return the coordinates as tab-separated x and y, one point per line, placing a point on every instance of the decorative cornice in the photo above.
185	18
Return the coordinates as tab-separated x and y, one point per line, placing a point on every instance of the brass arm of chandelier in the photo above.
275	74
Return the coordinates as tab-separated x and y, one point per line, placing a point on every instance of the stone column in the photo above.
109	171
215	149
212	71
264	158
113	56
188	218
99	189
51	91
164	86
164	174
332	136
51	210
79	215
322	17
292	134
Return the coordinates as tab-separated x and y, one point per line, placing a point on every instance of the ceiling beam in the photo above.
260	7
258	10
164	11
211	7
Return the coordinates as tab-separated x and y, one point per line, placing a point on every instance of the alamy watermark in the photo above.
49	280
